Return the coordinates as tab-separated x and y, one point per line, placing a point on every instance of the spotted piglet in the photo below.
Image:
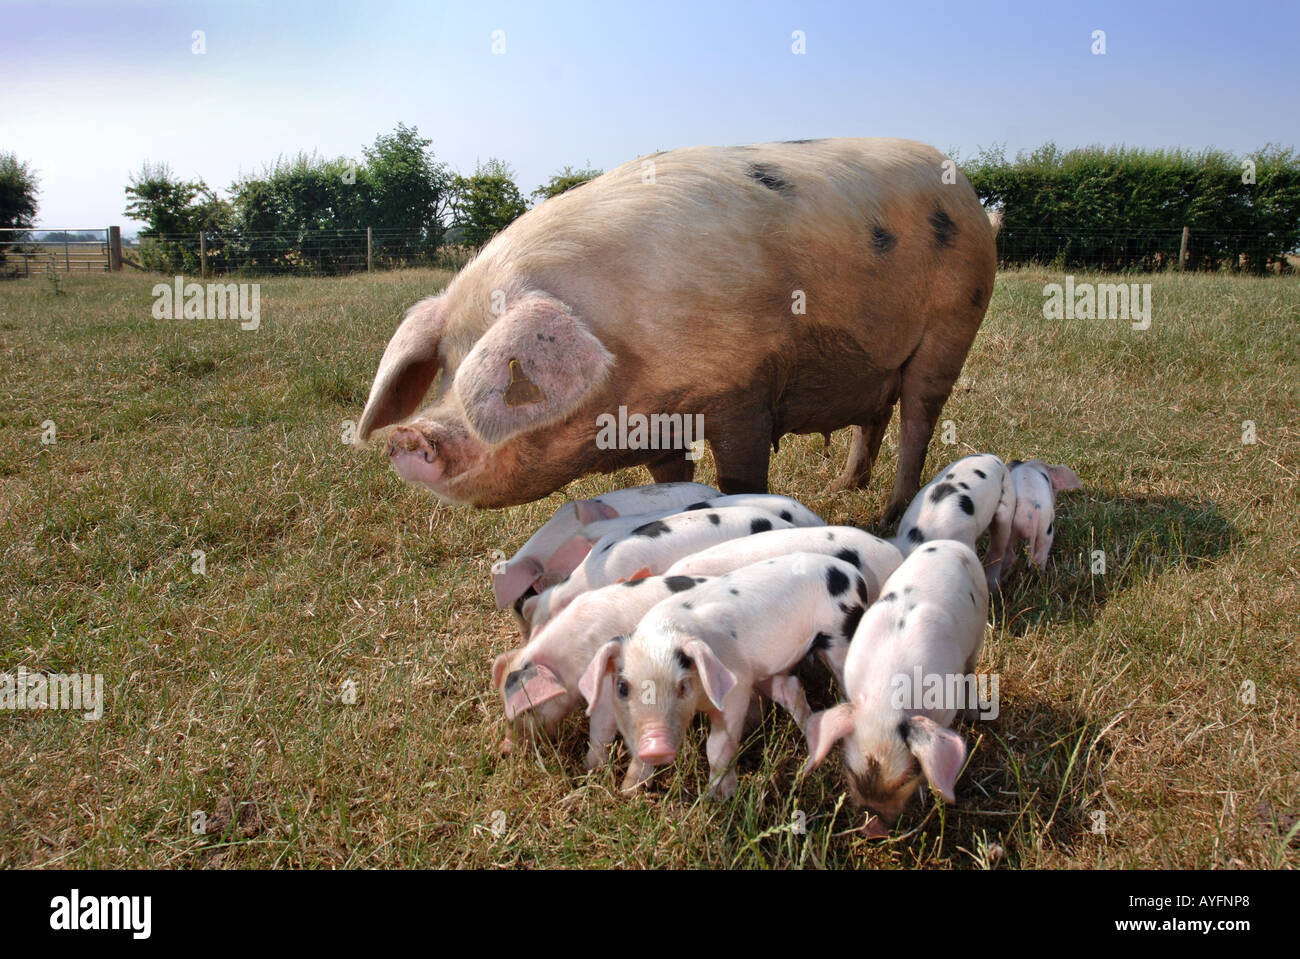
598	526
872	556
558	547
651	547
539	682
708	650
1035	517
972	495
928	623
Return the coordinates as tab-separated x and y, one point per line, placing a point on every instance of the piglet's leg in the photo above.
788	691
638	774
725	730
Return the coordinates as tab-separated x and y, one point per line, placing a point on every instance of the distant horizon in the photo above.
100	90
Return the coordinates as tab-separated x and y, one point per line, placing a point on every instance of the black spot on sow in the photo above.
769	176
943	227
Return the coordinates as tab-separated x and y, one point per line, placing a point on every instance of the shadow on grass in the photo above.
1108	546
1033	779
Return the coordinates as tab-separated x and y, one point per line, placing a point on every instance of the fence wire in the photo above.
339	252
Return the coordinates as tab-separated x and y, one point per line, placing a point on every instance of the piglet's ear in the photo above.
825	729
1064	478
716	678
532	367
591	685
534	686
407	368
499	667
940	751
513	581
593	511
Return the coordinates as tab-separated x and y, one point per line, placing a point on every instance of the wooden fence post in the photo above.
370	249
67	260
1182	248
203	255
115	248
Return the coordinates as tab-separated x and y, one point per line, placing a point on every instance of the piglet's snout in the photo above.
656	747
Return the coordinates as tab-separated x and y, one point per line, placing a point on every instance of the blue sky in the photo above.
94	89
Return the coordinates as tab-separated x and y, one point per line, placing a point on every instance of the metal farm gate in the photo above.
29	252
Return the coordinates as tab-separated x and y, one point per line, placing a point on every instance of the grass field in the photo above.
1127	736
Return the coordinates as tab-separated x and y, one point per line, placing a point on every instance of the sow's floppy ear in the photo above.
531	368
407	368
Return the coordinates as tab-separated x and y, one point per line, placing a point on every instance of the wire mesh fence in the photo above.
1152	251
339	252
304	253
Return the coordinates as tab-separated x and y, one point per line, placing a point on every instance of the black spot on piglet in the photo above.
851	620
679	583
715	519
836	581
652	530
850	556
915	535
940	491
760	526
967	505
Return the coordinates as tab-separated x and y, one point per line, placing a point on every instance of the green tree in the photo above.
19	188
167	204
487	202
564	181
408	188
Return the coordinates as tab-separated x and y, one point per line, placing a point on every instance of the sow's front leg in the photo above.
865	445
674	468
741	441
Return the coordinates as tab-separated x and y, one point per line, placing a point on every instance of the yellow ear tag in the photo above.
521	390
